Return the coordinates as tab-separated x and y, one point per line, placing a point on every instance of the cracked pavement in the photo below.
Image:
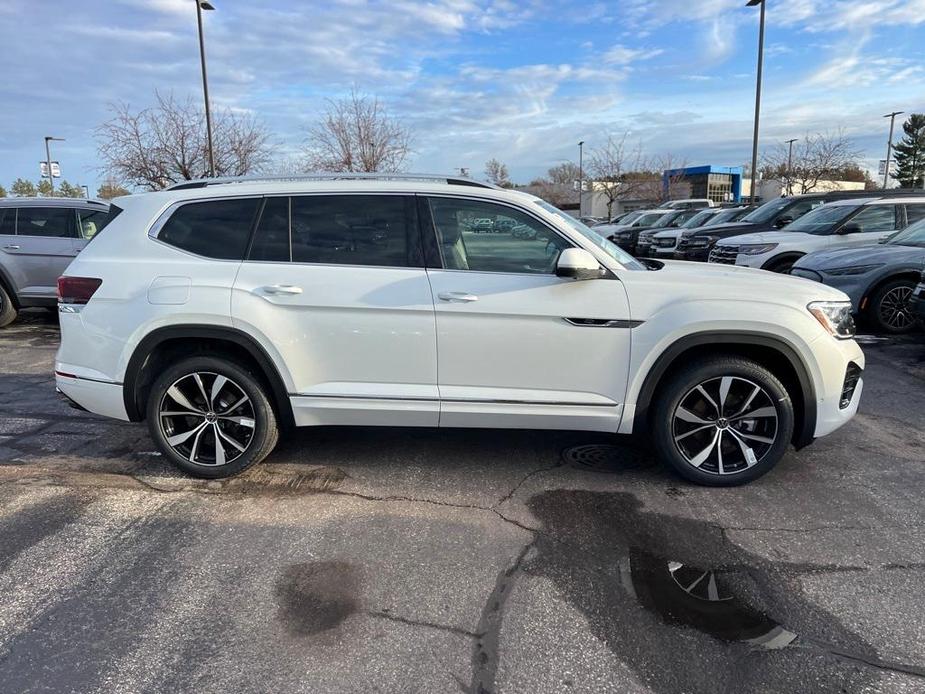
475	561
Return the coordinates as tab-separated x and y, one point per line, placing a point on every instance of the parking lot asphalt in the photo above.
476	561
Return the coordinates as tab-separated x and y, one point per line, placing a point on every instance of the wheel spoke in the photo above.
180	399
231	409
240	421
724	385
219	448
760	413
177	439
753	437
694	431
712	588
183	413
719	452
230	440
710	400
688	416
217	386
747	453
747	402
195	449
701	457
202	389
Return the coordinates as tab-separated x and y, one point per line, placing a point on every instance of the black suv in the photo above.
772	215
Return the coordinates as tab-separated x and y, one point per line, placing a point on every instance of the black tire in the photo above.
226	428
7	308
735	433
888	309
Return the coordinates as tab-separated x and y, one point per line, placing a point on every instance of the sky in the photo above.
471	79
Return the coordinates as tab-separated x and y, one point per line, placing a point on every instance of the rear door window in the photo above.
914	213
47	221
875	218
355	230
215	229
92	222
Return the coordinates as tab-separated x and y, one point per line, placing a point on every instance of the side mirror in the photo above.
578	264
849	228
782	222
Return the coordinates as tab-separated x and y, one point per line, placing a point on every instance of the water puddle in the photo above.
698	597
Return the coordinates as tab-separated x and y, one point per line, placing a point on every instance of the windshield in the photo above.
698	220
767	211
822	220
609	248
649	219
725	216
910	236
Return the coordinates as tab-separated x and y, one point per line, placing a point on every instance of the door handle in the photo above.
460	297
285	289
12	247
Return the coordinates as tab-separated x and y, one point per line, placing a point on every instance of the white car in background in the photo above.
839	224
222	311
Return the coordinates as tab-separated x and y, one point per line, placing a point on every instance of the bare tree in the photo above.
167	143
819	157
357	134
671	169
496	172
565	173
556	194
619	172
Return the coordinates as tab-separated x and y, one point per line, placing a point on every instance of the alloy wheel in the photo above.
207	418
894	308
725	425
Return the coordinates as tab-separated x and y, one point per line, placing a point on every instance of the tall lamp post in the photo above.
752	3
790	165
51	178
581	178
200	6
889	146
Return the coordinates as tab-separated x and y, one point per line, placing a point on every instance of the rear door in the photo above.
42	249
871	224
336	285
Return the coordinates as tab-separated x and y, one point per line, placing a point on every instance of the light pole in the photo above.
200	6
790	165
581	178
51	178
752	3
889	146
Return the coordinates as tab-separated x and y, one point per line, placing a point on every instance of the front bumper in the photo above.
833	409
917	302
700	255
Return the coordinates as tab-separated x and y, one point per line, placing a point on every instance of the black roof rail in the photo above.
346	176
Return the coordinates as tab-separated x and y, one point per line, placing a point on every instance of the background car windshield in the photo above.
725	216
631	217
767	211
911	236
648	220
698	219
609	248
822	220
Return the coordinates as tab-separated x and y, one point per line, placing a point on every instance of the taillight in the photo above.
77	290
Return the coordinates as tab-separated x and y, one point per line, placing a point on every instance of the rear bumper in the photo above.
99	397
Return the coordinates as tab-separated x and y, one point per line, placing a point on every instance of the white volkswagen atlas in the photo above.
224	310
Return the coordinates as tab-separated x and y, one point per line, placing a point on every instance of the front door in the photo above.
336	285
518	346
871	224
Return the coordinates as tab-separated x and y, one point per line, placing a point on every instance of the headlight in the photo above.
853	270
756	248
835	317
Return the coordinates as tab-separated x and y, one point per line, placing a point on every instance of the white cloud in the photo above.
624	55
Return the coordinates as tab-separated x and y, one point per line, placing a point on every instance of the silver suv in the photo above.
38	239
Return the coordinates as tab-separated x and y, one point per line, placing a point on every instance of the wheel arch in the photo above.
781	257
163	344
911	273
770	351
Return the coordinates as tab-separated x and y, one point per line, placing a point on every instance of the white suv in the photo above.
222	311
839	224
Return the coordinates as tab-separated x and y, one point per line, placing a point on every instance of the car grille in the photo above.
665	242
852	376
806	274
724	254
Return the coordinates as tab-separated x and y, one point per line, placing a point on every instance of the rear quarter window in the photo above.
215	228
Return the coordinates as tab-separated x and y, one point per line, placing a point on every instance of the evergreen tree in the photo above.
66	190
2	192
23	188
910	153
44	188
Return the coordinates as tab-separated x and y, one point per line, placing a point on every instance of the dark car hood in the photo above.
874	254
727	229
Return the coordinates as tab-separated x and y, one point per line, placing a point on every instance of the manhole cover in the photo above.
603	457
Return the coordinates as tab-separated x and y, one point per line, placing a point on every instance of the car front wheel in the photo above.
722	421
211	417
889	311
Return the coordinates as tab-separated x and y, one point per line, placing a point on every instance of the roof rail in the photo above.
346	176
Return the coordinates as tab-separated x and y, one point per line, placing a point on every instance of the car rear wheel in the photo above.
888	310
7	309
722	421
211	417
